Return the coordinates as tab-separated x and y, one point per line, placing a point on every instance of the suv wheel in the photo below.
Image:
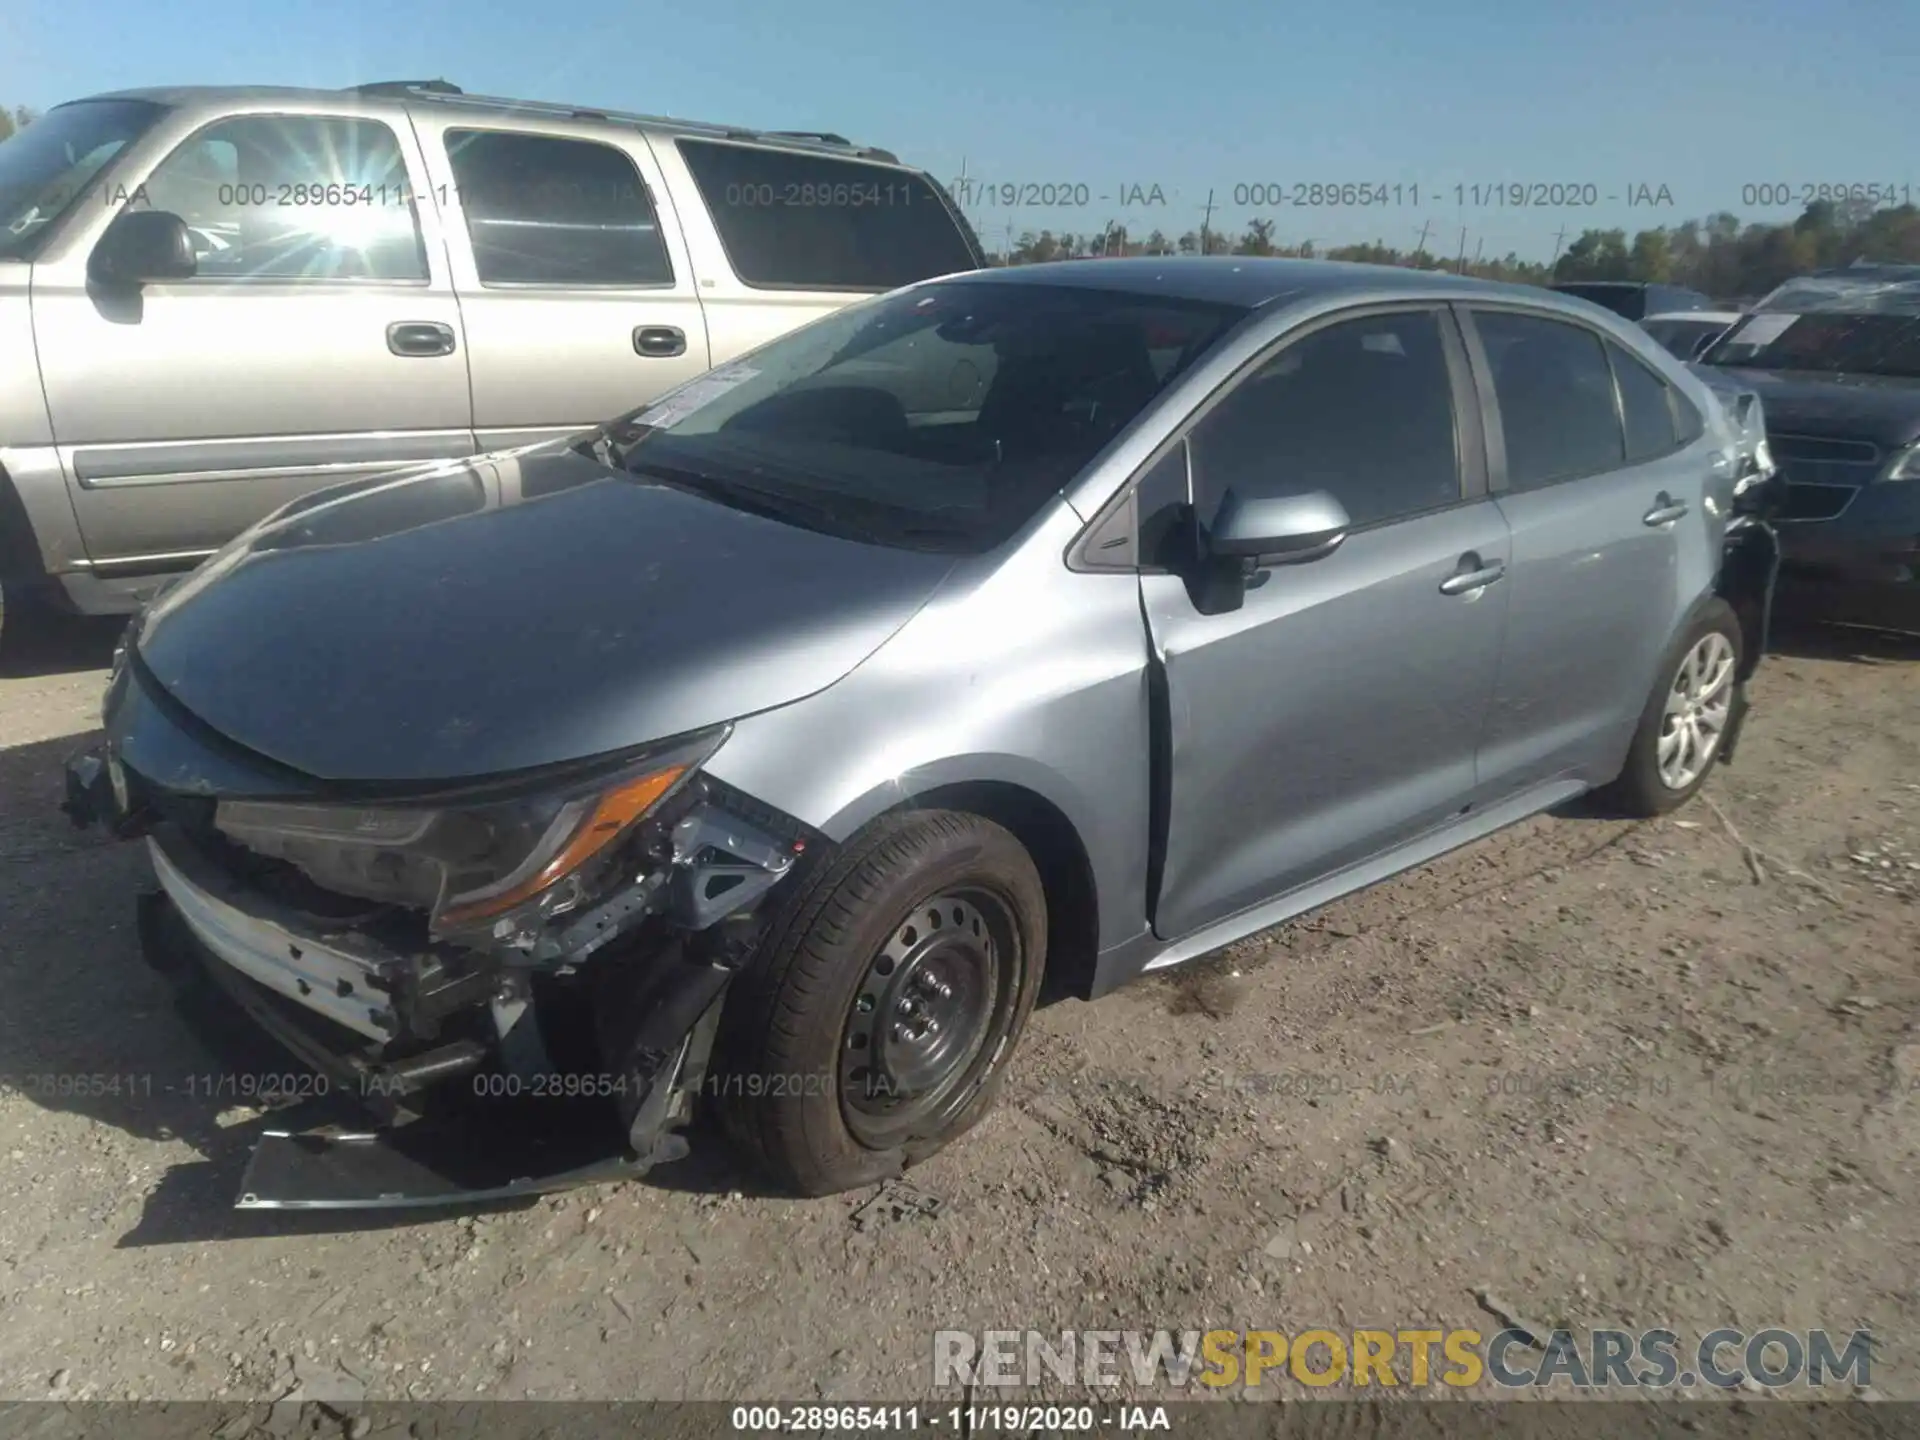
875	1025
1686	717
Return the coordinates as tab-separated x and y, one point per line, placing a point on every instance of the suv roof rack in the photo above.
445	93
409	87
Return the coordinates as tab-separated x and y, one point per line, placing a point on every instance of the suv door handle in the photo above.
1665	510
1473	576
659	341
420	337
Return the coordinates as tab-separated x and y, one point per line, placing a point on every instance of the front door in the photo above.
1336	712
319	340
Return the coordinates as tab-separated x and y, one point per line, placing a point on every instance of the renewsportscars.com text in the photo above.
1510	1359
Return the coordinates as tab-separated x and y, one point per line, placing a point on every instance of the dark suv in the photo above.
1633	300
1835	356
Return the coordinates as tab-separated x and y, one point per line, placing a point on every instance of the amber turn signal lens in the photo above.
611	815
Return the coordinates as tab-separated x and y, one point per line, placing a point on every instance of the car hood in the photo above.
513	611
1882	409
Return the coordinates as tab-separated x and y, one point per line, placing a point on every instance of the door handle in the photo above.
661	342
1473	576
420	337
1665	510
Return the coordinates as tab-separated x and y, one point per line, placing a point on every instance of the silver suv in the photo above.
216	300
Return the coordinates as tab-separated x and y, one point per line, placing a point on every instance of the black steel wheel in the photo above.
942	984
874	1027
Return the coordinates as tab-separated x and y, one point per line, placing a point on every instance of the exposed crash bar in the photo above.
323	978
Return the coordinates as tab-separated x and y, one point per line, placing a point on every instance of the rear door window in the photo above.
1555	393
542	210
795	221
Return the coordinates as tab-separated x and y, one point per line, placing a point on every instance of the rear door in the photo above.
574	283
1601	479
319	340
782	235
1336	711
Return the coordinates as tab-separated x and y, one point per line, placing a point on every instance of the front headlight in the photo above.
502	860
1906	465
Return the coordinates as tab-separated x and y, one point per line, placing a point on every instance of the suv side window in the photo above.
542	210
1362	408
795	221
293	197
1555	393
1645	407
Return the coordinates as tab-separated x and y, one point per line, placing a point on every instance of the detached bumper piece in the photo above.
332	1165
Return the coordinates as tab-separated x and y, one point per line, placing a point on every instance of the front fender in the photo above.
1032	676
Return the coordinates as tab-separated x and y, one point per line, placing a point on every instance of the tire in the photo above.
833	1067
25	609
1649	785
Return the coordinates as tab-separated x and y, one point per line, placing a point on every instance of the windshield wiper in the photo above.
875	521
772	504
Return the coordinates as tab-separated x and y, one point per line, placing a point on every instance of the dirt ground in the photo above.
1621	1074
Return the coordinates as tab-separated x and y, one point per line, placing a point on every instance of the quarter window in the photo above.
1362	408
795	221
293	197
1688	423
1555	392
541	210
1645	407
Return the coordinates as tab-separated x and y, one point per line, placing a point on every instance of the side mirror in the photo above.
1280	530
142	246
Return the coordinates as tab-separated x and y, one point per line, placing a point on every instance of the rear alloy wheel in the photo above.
874	1027
1694	717
1685	721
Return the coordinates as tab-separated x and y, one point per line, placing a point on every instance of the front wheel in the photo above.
1685	721
875	1025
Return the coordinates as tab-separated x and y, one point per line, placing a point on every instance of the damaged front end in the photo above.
515	987
1750	547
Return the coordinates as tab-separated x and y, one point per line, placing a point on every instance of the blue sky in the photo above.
1703	97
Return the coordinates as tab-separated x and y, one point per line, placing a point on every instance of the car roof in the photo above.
438	93
1249	280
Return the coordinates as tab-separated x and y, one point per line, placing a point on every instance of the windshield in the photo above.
1683	337
940	417
48	165
1832	324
